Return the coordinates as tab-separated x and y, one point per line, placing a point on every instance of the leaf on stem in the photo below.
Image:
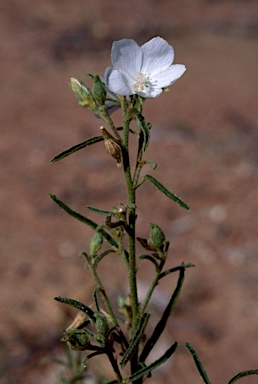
100	257
150	258
146	370
95	296
135	340
166	192
163	321
84	220
198	364
243	374
144	131
168	271
76	148
77	304
101	211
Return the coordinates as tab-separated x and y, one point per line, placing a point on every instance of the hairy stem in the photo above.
131	218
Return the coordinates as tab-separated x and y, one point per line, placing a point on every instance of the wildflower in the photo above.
144	70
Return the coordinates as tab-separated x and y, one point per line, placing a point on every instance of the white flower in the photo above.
142	70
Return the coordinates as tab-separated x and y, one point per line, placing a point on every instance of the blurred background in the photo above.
204	138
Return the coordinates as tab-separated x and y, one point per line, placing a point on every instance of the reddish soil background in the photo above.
204	138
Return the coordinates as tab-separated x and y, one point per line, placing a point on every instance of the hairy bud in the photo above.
83	94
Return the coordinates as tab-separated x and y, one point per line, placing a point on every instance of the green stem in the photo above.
131	234
131	218
106	117
114	364
152	287
105	299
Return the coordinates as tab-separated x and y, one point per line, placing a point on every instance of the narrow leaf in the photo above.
101	211
198	364
135	340
77	304
168	271
150	258
146	370
243	374
76	148
84	220
96	300
144	130
152	163
163	321
167	193
100	257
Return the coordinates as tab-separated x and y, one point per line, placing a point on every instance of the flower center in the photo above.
141	82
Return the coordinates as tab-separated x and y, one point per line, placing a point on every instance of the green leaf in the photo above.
100	257
150	258
168	271
163	321
77	304
84	220
198	364
243	374
96	300
76	148
135	340
152	163
167	193
144	130
146	370
101	211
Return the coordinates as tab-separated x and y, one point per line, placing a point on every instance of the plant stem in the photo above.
114	364
104	296
152	287
131	218
131	233
106	117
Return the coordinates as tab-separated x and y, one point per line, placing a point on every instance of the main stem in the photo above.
131	218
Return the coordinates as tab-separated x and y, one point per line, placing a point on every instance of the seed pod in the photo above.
112	146
77	339
79	320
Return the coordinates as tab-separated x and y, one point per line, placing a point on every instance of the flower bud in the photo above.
101	324
95	243
83	94
99	90
157	237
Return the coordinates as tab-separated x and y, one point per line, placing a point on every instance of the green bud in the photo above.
82	94
101	326
157	237
77	339
99	90
95	243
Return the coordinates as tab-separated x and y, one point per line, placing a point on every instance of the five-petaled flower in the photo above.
144	70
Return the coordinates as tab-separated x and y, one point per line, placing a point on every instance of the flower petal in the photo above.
150	92
119	83
168	76
127	56
157	56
